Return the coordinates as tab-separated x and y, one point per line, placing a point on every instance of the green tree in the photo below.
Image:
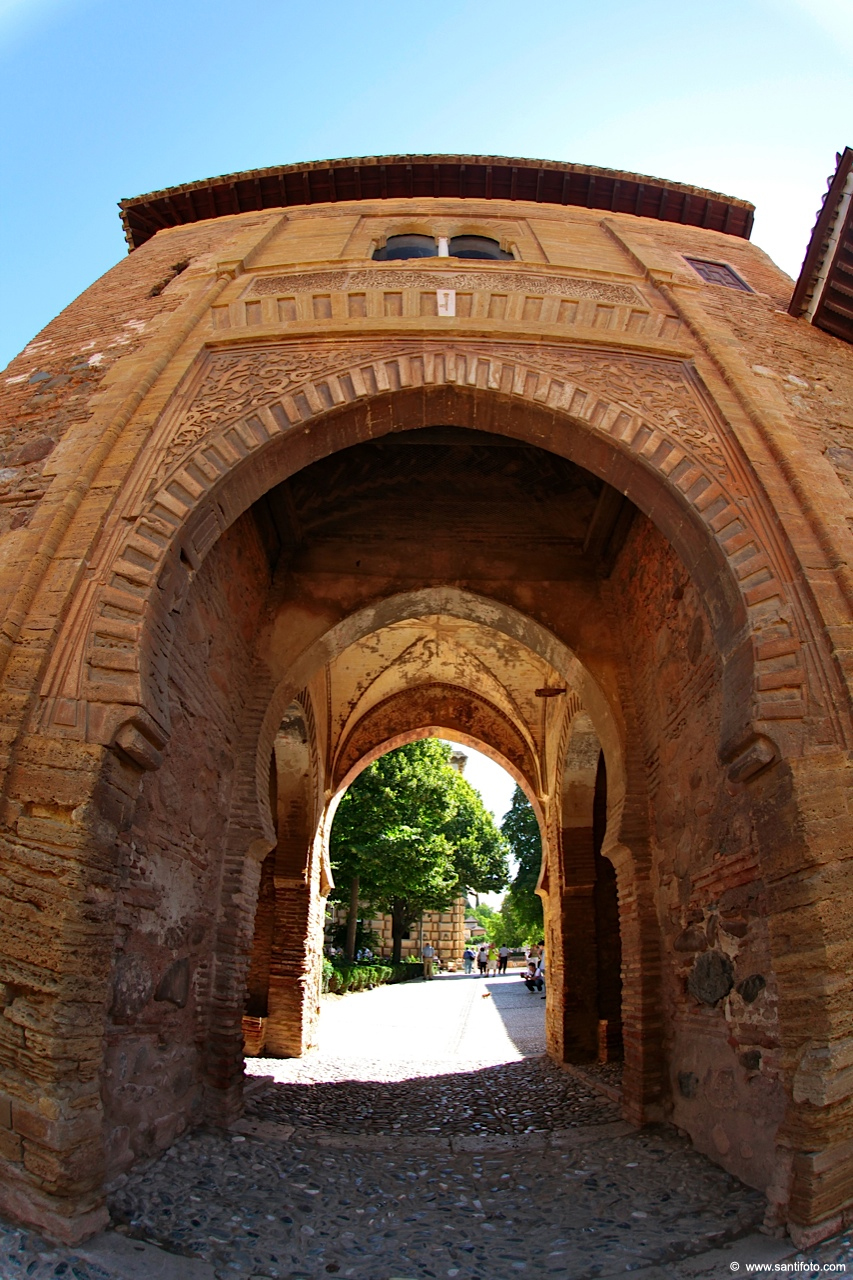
522	904
479	849
504	928
415	835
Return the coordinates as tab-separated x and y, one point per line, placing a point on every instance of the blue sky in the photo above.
101	99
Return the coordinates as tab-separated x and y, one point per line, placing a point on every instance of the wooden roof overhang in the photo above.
824	290
466	177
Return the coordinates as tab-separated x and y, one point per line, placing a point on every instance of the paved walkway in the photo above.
426	1138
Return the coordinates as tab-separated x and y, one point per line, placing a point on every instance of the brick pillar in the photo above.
296	953
52	1159
222	994
58	931
580	962
289	969
642	1030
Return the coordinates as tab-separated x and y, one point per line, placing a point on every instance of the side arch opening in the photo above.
282	982
589	924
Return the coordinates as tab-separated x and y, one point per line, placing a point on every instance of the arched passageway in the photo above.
450	580
559	552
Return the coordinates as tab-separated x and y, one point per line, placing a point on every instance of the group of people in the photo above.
489	959
492	961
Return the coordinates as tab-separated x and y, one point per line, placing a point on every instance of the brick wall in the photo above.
170	859
723	1057
49	388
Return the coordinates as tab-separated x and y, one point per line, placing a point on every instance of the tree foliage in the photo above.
503	927
416	834
522	906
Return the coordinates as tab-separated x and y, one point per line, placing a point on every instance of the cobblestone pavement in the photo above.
469	1155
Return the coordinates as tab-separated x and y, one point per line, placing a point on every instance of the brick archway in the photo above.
226	484
287	897
245	419
457	712
108	681
453	602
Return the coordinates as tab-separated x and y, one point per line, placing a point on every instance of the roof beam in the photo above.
469	175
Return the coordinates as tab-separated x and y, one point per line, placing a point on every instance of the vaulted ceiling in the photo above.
465	504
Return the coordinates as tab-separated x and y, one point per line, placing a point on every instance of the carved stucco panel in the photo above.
429	704
488	280
236	381
233	382
666	390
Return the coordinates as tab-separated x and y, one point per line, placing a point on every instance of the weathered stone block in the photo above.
133	986
174	986
711	978
751	988
10	1146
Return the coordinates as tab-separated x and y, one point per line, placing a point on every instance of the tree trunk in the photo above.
352	919
398	928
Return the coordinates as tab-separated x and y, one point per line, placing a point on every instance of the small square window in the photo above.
718	273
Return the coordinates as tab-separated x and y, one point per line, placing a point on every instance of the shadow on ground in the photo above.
512	1097
522	1012
305	1206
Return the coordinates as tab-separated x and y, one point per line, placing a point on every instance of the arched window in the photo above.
410	246
477	247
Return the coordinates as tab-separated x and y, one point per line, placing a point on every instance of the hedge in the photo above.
341	977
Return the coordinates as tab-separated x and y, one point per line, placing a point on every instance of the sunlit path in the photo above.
448	1025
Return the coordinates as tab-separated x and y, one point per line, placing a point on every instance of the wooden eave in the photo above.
825	285
412	177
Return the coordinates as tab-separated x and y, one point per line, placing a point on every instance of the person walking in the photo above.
482	960
468	960
493	960
428	957
503	958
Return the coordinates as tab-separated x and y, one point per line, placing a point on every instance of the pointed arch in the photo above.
246	419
